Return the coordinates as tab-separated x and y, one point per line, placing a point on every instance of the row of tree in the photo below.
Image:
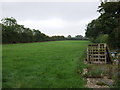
15	33
106	28
77	37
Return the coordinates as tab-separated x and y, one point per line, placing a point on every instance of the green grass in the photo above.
43	65
101	83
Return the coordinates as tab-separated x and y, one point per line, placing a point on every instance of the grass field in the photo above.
43	65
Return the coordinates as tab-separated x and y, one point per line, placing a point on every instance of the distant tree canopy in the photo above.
15	33
107	25
69	37
77	37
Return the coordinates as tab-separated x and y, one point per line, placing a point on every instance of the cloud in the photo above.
58	26
53	18
49	23
53	23
49	0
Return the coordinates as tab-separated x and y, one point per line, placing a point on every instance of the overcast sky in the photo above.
53	18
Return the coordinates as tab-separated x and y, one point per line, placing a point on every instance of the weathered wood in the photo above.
98	53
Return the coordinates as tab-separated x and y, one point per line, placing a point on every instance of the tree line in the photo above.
106	28
15	33
77	37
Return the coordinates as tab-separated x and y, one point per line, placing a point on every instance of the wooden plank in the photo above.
96	53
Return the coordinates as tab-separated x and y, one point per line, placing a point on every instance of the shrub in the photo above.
102	38
94	74
101	83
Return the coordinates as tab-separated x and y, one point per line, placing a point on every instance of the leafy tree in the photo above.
107	23
9	21
79	37
15	33
69	37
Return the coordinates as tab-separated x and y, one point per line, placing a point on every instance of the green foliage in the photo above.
94	73
77	37
15	33
9	21
101	83
117	83
43	65
114	39
106	23
91	30
102	38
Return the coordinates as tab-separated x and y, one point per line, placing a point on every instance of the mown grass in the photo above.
43	65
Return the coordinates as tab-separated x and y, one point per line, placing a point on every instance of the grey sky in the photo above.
53	18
